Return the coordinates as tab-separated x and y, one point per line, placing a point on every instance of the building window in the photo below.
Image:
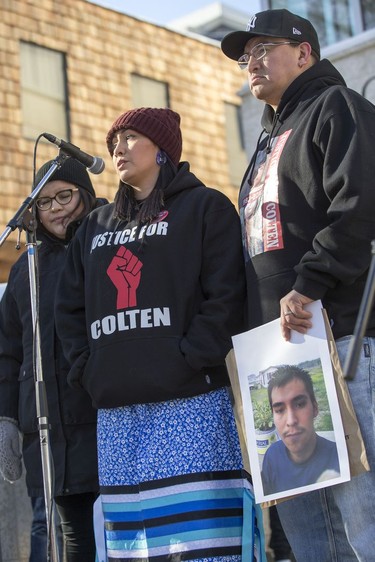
368	11
334	20
149	93
235	144
43	92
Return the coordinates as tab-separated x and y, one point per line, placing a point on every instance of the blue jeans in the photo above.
337	524
38	539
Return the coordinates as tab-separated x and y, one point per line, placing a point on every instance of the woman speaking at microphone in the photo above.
152	291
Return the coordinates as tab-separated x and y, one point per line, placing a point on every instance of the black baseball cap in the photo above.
271	23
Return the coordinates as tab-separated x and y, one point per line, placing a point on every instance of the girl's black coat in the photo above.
71	416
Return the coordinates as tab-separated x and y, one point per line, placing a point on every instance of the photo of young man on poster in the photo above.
300	457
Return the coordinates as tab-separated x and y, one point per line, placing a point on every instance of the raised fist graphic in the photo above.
125	273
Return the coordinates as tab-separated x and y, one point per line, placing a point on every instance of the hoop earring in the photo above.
161	158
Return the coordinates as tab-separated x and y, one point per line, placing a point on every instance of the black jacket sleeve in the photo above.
221	313
341	251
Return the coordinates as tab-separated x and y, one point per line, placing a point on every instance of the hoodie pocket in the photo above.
139	370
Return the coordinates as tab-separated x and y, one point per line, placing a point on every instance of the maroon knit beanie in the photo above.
162	126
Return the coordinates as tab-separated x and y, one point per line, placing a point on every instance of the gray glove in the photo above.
10	450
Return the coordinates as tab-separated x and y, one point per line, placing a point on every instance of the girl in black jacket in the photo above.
64	200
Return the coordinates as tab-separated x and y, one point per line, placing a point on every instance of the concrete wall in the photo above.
15	521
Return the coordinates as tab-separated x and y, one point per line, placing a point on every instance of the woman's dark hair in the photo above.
128	208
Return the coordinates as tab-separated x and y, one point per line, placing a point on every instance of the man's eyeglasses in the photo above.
258	52
62	197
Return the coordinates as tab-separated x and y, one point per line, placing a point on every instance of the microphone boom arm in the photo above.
94	164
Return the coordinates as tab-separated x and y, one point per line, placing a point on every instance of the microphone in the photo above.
94	164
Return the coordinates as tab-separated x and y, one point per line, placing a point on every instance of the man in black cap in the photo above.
307	211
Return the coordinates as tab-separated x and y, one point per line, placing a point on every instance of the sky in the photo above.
162	12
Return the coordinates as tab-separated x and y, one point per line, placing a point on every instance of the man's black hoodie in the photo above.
307	200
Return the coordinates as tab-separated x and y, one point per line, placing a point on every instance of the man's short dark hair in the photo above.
285	374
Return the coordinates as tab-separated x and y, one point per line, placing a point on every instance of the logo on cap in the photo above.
251	23
296	31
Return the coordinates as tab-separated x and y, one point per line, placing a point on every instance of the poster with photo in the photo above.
294	433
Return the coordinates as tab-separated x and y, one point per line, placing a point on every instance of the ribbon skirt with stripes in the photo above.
172	485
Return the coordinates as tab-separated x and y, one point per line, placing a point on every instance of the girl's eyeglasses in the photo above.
62	197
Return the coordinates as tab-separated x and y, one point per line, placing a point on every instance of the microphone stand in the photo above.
355	344
23	220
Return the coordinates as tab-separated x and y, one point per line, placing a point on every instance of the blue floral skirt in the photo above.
172	485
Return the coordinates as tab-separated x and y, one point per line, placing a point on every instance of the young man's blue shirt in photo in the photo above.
280	472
